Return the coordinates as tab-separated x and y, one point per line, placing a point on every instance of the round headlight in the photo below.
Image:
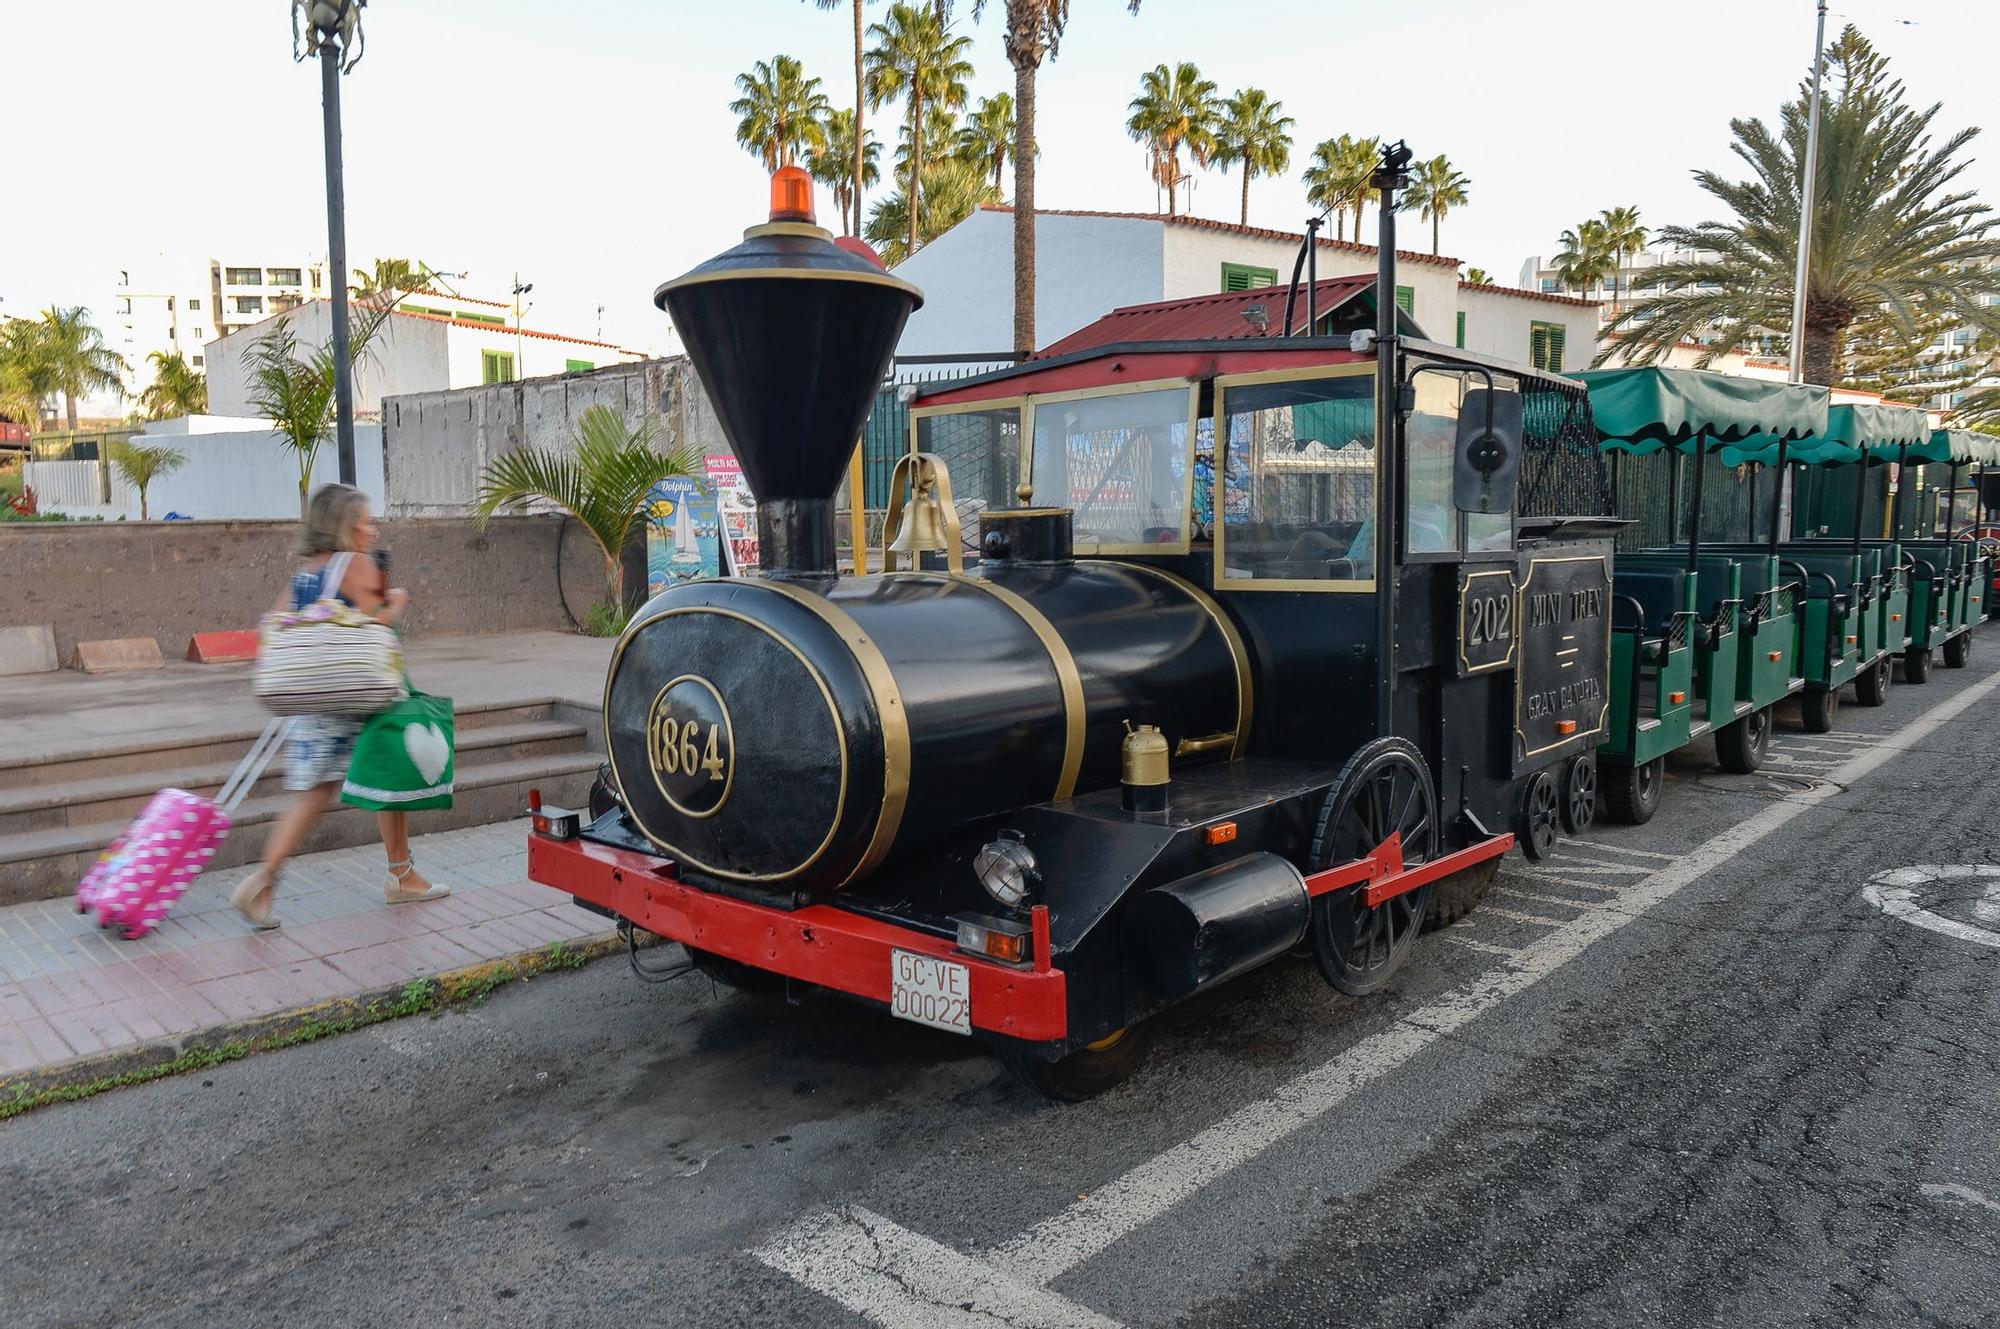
1006	868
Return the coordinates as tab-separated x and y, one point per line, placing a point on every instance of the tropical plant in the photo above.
863	172
1894	238
954	187
1034	31
1585	259
390	277
1435	189
604	482
178	388
1339	179
916	58
1175	108
297	393
1478	277
1626	239
940	142
988	134
1250	131
143	463
26	379
833	166
73	358
781	112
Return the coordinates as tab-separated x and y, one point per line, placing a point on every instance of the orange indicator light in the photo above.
1676	698
1220	833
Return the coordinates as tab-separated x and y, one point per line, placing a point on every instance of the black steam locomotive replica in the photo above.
1251	653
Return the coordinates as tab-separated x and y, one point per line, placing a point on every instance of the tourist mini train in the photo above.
1252	646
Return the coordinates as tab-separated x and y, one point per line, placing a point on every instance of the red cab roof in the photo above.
1227	316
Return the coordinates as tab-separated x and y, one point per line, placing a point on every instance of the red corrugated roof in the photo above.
1206	317
1230	228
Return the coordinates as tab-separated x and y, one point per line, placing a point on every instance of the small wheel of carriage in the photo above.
1632	792
1539	822
1917	663
1818	707
1385	788
1740	746
1086	1072
1871	685
1579	794
1958	651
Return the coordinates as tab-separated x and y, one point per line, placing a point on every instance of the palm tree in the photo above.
953	187
1339	179
864	172
1585	258
603	482
390	277
26	380
1251	131
1175	107
143	463
1894	238
1478	277
178	388
75	358
1034	31
296	394
941	134
833	166
781	112
1626	239
988	135
916	58
1435	189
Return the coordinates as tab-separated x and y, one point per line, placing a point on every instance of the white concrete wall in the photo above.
407	355
1498	321
534	356
1194	259
1085	267
236	474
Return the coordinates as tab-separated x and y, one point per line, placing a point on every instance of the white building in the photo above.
1090	263
413	352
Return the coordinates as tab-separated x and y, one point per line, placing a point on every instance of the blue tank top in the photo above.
307	583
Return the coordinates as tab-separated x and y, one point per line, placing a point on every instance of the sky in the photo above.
589	147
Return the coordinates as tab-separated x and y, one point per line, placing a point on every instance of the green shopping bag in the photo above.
404	756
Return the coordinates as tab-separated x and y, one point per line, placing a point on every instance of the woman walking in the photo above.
338	548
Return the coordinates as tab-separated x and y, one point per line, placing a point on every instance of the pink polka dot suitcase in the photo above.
148	868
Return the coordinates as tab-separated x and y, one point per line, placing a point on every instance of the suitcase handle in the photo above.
251	769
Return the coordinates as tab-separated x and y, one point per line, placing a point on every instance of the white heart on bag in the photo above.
429	749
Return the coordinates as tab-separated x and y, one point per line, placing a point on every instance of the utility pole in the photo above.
519	291
1808	188
334	35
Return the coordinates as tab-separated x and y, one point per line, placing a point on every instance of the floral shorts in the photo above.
319	748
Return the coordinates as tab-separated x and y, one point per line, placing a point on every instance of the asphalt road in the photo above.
1696	1073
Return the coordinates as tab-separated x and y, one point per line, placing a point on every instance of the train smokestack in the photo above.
791	336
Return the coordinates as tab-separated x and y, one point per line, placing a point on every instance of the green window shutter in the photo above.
577	366
1545	346
1461	329
496	366
1243	277
1406	300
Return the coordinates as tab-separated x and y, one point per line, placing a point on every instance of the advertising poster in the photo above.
738	512
681	535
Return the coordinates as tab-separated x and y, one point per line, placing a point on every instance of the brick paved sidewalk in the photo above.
69	990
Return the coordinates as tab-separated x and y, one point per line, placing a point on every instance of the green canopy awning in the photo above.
1878	427
1960	446
1643	410
1762	450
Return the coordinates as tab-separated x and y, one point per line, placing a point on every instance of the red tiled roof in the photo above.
1525	294
509	331
463	299
1205	317
1229	228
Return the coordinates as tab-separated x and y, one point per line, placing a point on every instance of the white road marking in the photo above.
895	1277
1596	846
1951	1190
1555	879
886	1274
1515	892
1893	894
1516	916
1488	948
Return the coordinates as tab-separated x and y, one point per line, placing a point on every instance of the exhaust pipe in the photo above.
1215	924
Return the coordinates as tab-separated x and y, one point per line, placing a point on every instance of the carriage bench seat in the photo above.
1660	594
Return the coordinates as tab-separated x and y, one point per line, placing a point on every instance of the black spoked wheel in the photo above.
1579	794
1741	746
1086	1072
1460	893
1871	685
1958	651
1818	707
1384	789
744	978
1632	793
1540	819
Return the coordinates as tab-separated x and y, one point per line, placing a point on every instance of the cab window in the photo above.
1299	477
1121	462
982	450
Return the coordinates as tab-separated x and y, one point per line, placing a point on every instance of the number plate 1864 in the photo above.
930	991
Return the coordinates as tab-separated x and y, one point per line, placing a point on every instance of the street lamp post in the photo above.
1808	188
333	33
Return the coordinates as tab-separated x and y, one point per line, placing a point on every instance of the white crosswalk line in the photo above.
1600	846
1484	947
1516	893
1515	915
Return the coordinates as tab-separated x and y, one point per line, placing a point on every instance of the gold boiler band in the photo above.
1239	654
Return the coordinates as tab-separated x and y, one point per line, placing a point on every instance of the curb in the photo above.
454	986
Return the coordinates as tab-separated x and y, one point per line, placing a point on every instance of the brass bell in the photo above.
921	518
922	527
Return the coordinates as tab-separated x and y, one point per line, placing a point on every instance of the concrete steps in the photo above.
57	815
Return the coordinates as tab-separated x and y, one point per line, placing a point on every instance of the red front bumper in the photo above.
820	944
